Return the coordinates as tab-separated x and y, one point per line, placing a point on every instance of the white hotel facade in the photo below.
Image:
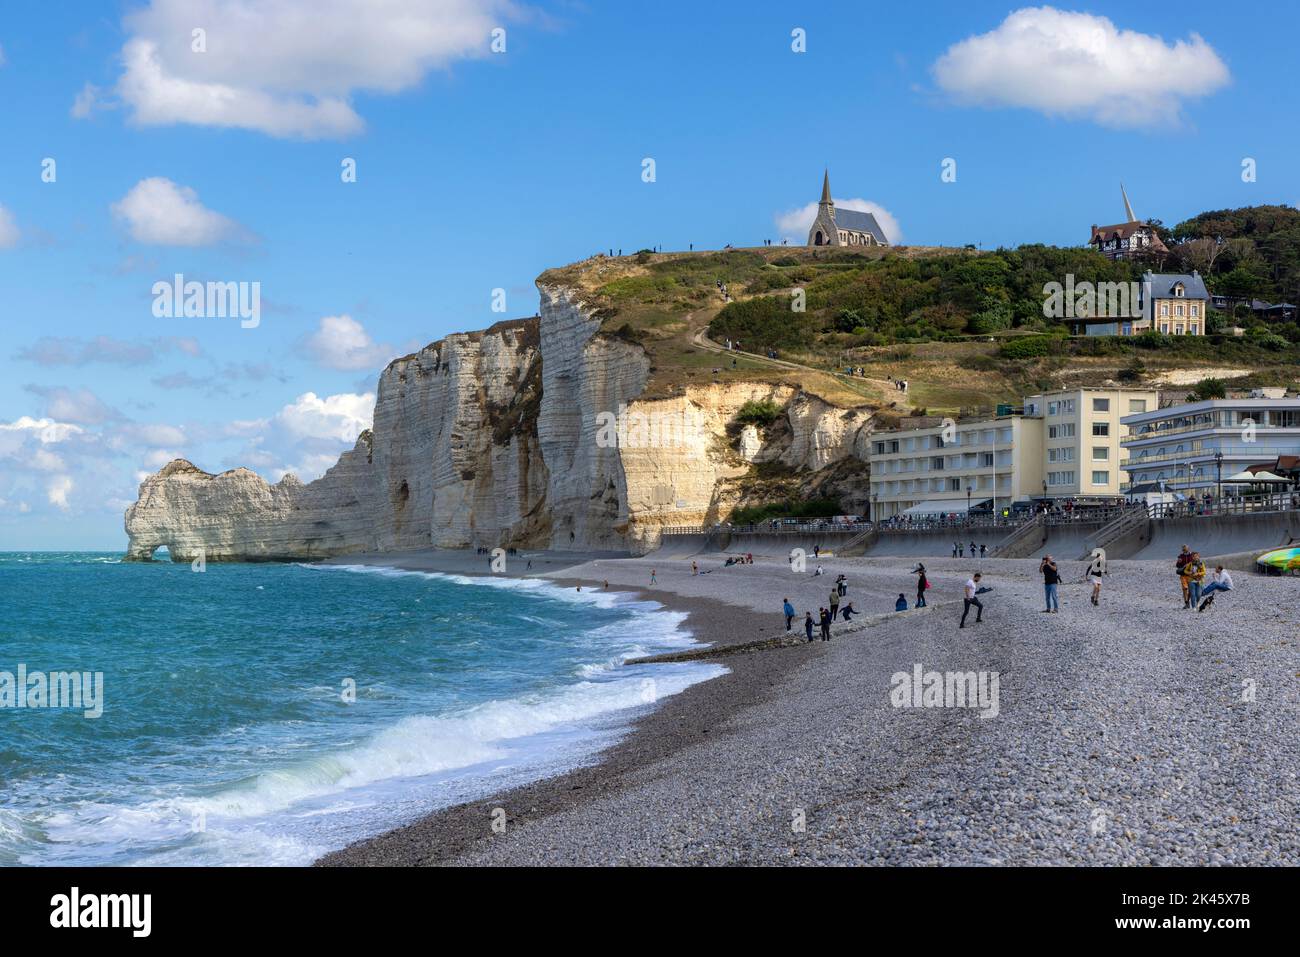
1065	444
1178	444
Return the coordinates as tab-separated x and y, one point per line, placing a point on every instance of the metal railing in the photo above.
1235	505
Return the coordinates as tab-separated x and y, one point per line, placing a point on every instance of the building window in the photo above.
936	463
1179	310
954	485
1101	428
1052	408
1196	311
1101	478
1101	405
1100	453
1191	330
1137	405
1164	309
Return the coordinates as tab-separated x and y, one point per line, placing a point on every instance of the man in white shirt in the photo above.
972	586
1222	582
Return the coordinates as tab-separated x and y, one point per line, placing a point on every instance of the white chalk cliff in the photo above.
495	438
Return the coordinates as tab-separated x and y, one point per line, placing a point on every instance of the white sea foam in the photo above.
292	812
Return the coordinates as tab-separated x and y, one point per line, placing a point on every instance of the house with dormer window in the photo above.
1174	303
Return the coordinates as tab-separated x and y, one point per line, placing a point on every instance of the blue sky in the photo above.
477	170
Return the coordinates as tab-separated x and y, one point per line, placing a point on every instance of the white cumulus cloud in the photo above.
57	489
9	232
305	437
340	342
289	68
794	224
337	418
161	213
1080	65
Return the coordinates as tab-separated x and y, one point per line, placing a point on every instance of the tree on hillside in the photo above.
1201	253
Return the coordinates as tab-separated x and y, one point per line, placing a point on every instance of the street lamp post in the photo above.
1218	477
968	491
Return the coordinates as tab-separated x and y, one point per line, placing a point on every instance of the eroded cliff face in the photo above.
528	434
452	459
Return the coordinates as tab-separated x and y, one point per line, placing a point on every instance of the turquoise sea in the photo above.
227	734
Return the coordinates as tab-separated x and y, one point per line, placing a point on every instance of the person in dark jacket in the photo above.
808	625
826	625
922	583
901	604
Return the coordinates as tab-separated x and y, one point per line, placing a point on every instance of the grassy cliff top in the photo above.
947	320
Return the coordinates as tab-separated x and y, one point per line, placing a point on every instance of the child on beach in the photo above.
900	605
1094	573
653	580
808	625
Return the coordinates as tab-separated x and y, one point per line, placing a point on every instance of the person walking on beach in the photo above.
982	547
1222	582
900	605
971	590
1184	557
835	603
849	611
826	625
653	580
789	613
1195	570
1094	573
955	546
972	549
922	583
1051	580
961	550
695	569
808	625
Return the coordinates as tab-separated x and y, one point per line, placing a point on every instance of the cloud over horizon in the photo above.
288	68
159	212
342	343
1080	66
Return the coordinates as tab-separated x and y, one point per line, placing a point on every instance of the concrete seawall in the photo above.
1235	539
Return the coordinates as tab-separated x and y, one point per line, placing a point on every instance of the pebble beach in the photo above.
1131	733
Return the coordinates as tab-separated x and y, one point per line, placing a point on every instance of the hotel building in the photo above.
1063	444
1178	444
